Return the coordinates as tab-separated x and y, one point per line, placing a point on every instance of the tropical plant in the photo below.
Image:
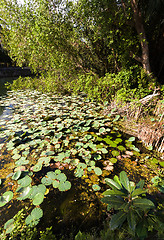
131	204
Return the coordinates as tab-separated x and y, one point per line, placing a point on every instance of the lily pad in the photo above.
24	182
96	187
38	199
9	226
64	186
16	175
5	198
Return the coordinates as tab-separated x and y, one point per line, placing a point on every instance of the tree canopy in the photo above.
68	37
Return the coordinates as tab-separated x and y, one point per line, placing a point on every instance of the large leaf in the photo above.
140	184
141	230
131	220
125	181
138	192
112	183
117	220
114	192
143	203
113	201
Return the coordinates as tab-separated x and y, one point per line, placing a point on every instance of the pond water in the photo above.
3	91
56	152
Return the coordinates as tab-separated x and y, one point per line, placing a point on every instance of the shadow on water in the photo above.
3	89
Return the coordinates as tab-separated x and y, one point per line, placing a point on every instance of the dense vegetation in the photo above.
113	52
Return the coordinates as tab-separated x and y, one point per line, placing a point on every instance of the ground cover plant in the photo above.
52	140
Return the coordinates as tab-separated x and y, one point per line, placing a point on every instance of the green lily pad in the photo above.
96	187
9	226
34	218
37	167
16	175
61	177
121	148
5	198
38	199
24	182
55	184
64	186
46	181
98	171
24	192
115	153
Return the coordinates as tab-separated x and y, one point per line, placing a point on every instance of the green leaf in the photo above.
96	187
114	192
131	139
24	192
115	153
38	199
113	184
24	182
140	184
143	203
37	167
9	226
141	230
138	192
98	171
16	175
131	220
125	181
114	201
64	186
117	220
161	163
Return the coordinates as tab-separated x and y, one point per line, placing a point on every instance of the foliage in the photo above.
159	183
132	206
70	37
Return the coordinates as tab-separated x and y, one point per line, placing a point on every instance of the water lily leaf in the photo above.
104	150
34	218
121	148
38	199
46	181
102	130
24	192
131	139
61	177
50	153
79	172
16	156
96	187
64	186
98	171
115	153
110	142
113	160
52	175
5	198
55	184
16	175
24	182
37	167
9	226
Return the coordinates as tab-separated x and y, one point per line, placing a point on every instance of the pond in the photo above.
56	152
3	90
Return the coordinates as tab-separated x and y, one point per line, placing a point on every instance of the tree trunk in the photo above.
142	36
